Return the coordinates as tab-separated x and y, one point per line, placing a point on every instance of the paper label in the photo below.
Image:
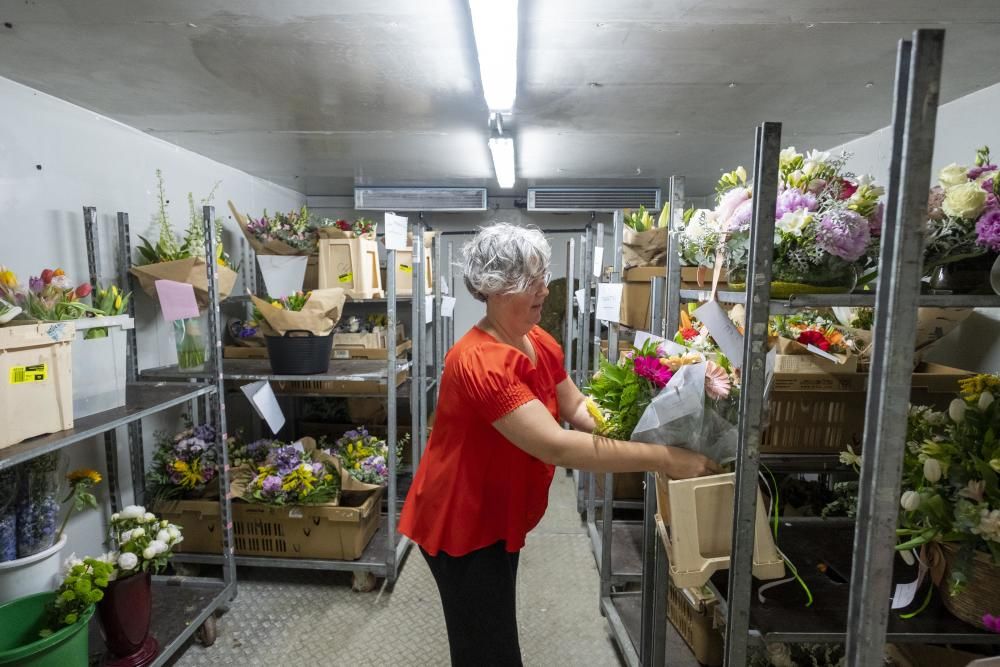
28	374
177	300
905	593
429	308
598	261
341	354
295	513
444	287
722	330
826	355
642	336
609	301
299	447
448	306
265	403
405	268
395	231
346	277
581	296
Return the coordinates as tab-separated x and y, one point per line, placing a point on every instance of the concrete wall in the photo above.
55	158
962	126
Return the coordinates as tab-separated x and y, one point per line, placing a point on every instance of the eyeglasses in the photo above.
542	281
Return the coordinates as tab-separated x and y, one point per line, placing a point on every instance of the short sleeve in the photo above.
492	377
553	354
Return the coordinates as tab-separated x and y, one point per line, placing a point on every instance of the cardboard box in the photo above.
351	264
691	611
635	296
36	380
627	486
813	363
334	532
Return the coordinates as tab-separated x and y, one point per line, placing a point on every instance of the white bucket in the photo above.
283	274
37	573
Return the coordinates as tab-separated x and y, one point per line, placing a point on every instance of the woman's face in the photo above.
522	310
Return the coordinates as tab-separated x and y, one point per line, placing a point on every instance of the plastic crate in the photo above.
690	611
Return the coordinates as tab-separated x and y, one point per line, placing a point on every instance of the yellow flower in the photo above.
191	475
82	474
277	304
328	477
972	387
7	278
595	412
964	201
118	303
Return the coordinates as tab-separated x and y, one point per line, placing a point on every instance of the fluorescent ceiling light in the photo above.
494	23
502	149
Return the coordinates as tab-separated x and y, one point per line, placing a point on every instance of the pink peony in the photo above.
729	202
651	369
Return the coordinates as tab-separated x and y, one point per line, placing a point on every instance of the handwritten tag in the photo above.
598	261
448	306
581	299
395	231
265	404
177	300
609	301
722	329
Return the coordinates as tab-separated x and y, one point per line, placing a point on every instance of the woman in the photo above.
484	480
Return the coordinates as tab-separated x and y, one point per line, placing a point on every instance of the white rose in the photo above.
932	470
953	174
174	532
964	201
956	410
163	536
138	532
910	500
128	561
158	546
794	222
125	537
149	553
164	523
116	516
133	512
149	517
985	400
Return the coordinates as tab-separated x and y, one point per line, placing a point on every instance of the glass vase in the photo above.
965	276
832	277
37	507
190	341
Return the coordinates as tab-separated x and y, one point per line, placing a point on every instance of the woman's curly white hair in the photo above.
504	259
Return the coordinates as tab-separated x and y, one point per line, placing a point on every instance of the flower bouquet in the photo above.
343	229
963	227
289	233
645	239
183	261
185	465
698	242
808	341
365	457
824	222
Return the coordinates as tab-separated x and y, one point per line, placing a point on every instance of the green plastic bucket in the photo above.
19	642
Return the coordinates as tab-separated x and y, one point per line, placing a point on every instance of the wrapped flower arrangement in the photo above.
253	453
811	328
184	465
365	457
361	227
289	233
825	222
291	476
699	238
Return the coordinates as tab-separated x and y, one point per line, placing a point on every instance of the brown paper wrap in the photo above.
319	316
192	271
244	475
647	248
337	233
259	247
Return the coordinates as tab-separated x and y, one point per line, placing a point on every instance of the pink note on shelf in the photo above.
176	300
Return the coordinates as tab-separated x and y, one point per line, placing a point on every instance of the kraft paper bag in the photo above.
192	271
647	248
319	316
262	248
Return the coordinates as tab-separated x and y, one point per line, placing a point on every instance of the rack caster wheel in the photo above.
208	632
363	582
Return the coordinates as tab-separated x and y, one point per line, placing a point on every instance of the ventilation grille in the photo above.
592	199
420	199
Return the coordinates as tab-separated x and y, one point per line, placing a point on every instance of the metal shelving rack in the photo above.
386	551
863	618
181	604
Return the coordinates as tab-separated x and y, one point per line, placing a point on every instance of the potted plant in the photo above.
142	544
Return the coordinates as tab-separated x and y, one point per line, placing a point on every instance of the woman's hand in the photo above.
683	464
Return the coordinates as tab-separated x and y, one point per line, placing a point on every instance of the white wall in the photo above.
962	126
87	159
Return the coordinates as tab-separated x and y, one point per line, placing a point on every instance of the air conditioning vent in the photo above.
592	199
420	199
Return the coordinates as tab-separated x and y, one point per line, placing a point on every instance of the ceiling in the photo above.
320	96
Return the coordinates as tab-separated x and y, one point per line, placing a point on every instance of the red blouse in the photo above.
474	487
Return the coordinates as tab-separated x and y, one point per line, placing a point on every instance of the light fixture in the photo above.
502	149
494	23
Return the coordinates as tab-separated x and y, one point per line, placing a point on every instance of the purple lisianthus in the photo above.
843	233
792	200
285	459
204	432
741	218
651	369
988	229
976	172
258	449
271	485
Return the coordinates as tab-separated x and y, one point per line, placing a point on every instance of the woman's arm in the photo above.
532	428
573	407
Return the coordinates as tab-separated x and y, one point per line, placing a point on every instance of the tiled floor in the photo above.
286	618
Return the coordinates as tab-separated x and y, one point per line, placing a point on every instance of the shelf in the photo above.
798	301
626	549
624	614
402	392
785	618
180	606
340	370
803	462
142	400
243	298
372	558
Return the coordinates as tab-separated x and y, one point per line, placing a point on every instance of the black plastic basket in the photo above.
299	352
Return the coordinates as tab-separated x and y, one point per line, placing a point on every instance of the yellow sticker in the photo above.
26	374
346	278
405	268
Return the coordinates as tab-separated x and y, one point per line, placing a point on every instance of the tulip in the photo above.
956	410
985	400
908	558
910	500
83	290
7	278
47	276
932	470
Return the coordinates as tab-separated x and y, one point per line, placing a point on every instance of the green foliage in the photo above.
82	588
621	394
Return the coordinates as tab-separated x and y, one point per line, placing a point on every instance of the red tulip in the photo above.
83	290
47	276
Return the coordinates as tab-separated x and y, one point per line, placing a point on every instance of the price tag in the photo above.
581	299
429	308
346	277
406	268
29	374
395	231
722	329
609	301
448	306
598	261
265	404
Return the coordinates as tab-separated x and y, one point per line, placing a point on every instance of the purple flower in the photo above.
258	449
651	369
271	485
205	433
36	285
976	172
988	229
792	200
843	233
285	459
741	218
317	469
730	201
876	220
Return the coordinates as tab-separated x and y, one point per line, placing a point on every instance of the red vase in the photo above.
125	614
